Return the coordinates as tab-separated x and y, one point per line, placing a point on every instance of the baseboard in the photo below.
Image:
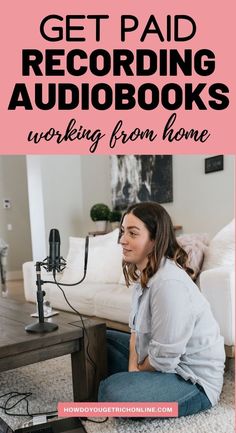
14	275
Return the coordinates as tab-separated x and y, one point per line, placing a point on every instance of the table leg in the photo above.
85	379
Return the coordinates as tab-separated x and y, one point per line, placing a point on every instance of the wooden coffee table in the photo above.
19	348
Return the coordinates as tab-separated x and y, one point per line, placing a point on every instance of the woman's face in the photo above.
135	241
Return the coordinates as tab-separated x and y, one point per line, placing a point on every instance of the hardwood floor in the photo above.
16	290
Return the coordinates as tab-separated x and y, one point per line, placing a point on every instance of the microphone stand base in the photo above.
41	327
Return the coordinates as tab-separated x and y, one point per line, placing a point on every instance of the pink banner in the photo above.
136	409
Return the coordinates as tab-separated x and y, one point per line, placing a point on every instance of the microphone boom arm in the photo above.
41	325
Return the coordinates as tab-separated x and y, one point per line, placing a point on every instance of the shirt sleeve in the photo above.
172	323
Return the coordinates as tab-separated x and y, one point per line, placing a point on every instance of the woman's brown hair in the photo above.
160	227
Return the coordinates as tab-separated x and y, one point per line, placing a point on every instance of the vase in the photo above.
101	226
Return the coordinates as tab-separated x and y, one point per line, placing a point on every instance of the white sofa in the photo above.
103	293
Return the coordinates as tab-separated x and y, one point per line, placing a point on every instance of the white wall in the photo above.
96	178
63	196
36	207
13	186
70	185
202	202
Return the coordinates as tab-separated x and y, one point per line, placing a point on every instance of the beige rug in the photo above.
50	382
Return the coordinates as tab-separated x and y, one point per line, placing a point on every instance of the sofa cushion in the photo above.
122	279
104	259
114	304
81	297
221	250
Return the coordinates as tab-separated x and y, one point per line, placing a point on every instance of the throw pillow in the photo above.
104	259
221	251
195	245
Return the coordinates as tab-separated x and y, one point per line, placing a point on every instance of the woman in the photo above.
175	351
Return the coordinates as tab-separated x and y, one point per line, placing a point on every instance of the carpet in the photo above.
50	382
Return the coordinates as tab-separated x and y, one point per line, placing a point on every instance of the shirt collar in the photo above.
139	289
162	263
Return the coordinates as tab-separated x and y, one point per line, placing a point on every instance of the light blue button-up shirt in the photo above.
175	327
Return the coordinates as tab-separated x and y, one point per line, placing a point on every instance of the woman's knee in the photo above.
193	404
108	391
149	386
116	388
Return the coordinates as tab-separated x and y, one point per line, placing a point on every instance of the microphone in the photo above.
54	262
54	251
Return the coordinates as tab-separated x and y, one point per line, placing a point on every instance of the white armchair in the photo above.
217	282
218	286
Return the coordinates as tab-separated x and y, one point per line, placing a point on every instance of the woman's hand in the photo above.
133	368
146	366
133	358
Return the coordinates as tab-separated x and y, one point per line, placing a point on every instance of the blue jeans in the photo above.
149	386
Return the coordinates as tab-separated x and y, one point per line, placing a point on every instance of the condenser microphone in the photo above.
54	251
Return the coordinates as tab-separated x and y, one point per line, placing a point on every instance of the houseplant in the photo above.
114	218
100	215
